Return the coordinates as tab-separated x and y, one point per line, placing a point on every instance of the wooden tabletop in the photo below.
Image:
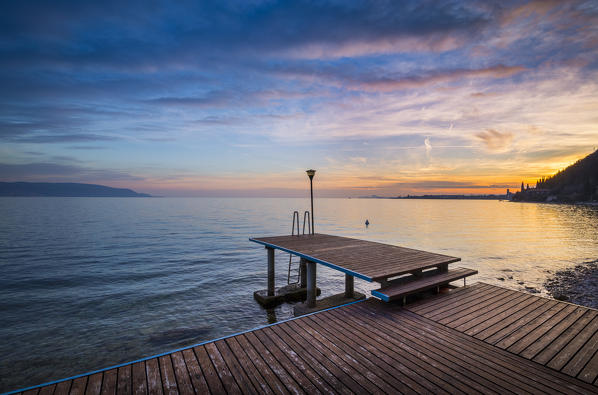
367	260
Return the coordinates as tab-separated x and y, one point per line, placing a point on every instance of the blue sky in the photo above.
239	98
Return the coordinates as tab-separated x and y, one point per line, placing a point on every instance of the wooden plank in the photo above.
570	333
109	382
465	315
462	376
496	362
589	374
335	376
78	386
343	358
167	372
513	303
247	365
272	378
94	384
522	331
507	327
430	302
139	379
123	385
197	378
48	389
480	364
154	381
363	258
526	369
509	310
228	381
32	391
393	292
567	353
284	376
454	300
272	340
397	366
579	360
299	374
236	370
63	387
209	370
469	301
550	333
181	374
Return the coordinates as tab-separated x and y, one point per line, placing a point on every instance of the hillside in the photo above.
576	183
64	190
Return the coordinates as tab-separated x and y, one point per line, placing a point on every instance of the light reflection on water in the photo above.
90	282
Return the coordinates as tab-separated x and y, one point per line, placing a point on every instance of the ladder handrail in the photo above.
307	215
295	214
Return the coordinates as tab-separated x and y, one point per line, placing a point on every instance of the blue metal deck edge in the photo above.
311	258
380	295
176	350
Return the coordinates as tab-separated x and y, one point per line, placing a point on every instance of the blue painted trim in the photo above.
311	258
380	295
178	349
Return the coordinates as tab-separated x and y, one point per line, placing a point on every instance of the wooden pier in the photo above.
400	271
475	339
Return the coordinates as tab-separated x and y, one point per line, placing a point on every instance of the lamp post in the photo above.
310	174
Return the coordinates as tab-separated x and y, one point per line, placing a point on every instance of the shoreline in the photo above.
577	285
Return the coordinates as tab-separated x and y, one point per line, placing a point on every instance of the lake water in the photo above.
90	282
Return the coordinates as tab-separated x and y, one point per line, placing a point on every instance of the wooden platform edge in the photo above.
20	390
311	258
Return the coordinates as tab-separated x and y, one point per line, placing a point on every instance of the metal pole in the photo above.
270	271
311	190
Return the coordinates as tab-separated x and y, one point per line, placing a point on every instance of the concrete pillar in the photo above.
349	286
311	284
270	271
303	271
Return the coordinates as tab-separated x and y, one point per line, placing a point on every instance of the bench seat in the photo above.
396	291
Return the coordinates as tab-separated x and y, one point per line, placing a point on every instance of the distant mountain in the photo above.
577	183
64	190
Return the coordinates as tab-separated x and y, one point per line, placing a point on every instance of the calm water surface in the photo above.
90	282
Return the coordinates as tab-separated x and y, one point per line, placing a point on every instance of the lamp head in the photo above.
310	173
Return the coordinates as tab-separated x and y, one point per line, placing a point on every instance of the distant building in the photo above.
522	187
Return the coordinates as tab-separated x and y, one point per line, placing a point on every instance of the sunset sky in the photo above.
239	98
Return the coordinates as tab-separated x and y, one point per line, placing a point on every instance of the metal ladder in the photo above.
306	219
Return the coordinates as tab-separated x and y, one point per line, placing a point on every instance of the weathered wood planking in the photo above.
367	260
476	339
556	334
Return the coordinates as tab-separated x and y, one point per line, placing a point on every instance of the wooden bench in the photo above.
396	291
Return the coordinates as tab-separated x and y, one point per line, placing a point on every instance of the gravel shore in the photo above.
578	285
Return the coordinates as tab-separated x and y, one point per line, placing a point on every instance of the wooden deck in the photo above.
367	260
478	339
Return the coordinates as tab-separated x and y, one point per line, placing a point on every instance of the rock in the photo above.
561	297
532	290
500	278
510	277
520	282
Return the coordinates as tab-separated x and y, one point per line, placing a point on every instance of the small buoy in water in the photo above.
367	223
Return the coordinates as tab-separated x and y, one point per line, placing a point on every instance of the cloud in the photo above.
62	138
54	172
495	140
